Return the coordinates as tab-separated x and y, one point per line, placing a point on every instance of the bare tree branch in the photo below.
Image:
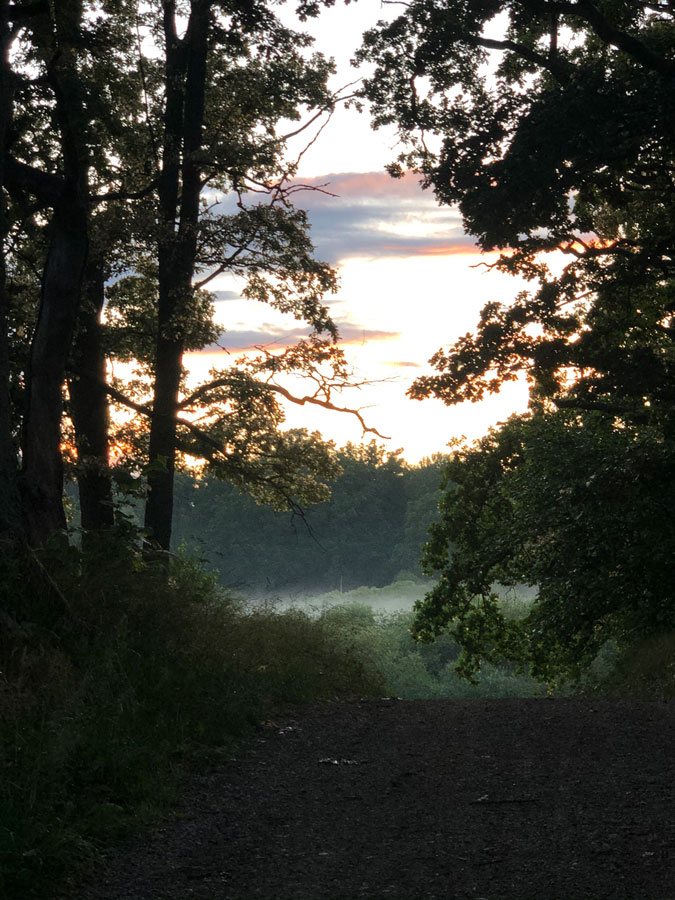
326	404
313	400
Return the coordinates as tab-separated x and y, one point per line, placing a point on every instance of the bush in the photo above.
113	676
646	671
416	671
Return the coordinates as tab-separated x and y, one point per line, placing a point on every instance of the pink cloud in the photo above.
370	184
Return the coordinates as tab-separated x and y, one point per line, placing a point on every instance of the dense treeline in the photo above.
370	531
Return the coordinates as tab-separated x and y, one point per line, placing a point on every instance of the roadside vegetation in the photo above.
116	680
414	671
119	680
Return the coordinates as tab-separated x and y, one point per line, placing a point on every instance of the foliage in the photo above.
647	670
549	124
418	671
574	505
113	680
372	527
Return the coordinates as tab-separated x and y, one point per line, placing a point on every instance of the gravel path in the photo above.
501	799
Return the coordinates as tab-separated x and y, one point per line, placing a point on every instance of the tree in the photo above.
68	81
368	530
575	506
221	43
133	179
65	190
554	136
230	73
554	145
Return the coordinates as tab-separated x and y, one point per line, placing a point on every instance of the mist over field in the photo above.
375	624
400	596
350	566
397	597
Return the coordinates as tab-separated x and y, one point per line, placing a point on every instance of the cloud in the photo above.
221	296
372	215
277	337
247	339
403	364
367	185
353	334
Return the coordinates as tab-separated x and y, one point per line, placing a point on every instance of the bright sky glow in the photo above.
410	280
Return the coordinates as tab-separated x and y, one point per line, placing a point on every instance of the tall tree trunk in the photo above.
185	74
57	32
42	473
89	409
10	504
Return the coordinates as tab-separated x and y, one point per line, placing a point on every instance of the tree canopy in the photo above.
143	150
550	125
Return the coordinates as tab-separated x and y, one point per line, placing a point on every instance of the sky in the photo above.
410	280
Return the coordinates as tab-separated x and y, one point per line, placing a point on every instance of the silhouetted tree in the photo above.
550	125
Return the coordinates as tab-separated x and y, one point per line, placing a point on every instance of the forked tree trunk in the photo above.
179	190
57	32
42	472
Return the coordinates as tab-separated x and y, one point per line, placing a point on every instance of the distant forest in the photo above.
369	533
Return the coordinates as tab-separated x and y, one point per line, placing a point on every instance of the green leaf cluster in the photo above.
572	505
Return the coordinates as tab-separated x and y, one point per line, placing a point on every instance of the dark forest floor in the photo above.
502	799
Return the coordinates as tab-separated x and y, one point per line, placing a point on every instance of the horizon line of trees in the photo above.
369	533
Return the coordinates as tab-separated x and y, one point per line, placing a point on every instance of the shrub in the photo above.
646	671
113	676
416	671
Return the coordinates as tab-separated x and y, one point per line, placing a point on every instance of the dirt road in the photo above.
502	799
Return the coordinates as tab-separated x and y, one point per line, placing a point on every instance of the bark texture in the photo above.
179	190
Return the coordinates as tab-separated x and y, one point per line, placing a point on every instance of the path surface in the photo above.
501	799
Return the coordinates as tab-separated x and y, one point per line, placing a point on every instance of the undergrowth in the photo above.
113	677
416	671
116	675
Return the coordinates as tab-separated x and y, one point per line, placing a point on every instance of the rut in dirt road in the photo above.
448	799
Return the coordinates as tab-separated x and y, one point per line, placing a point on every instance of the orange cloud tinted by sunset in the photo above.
434	249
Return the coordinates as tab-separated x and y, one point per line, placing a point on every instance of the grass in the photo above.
113	679
418	671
